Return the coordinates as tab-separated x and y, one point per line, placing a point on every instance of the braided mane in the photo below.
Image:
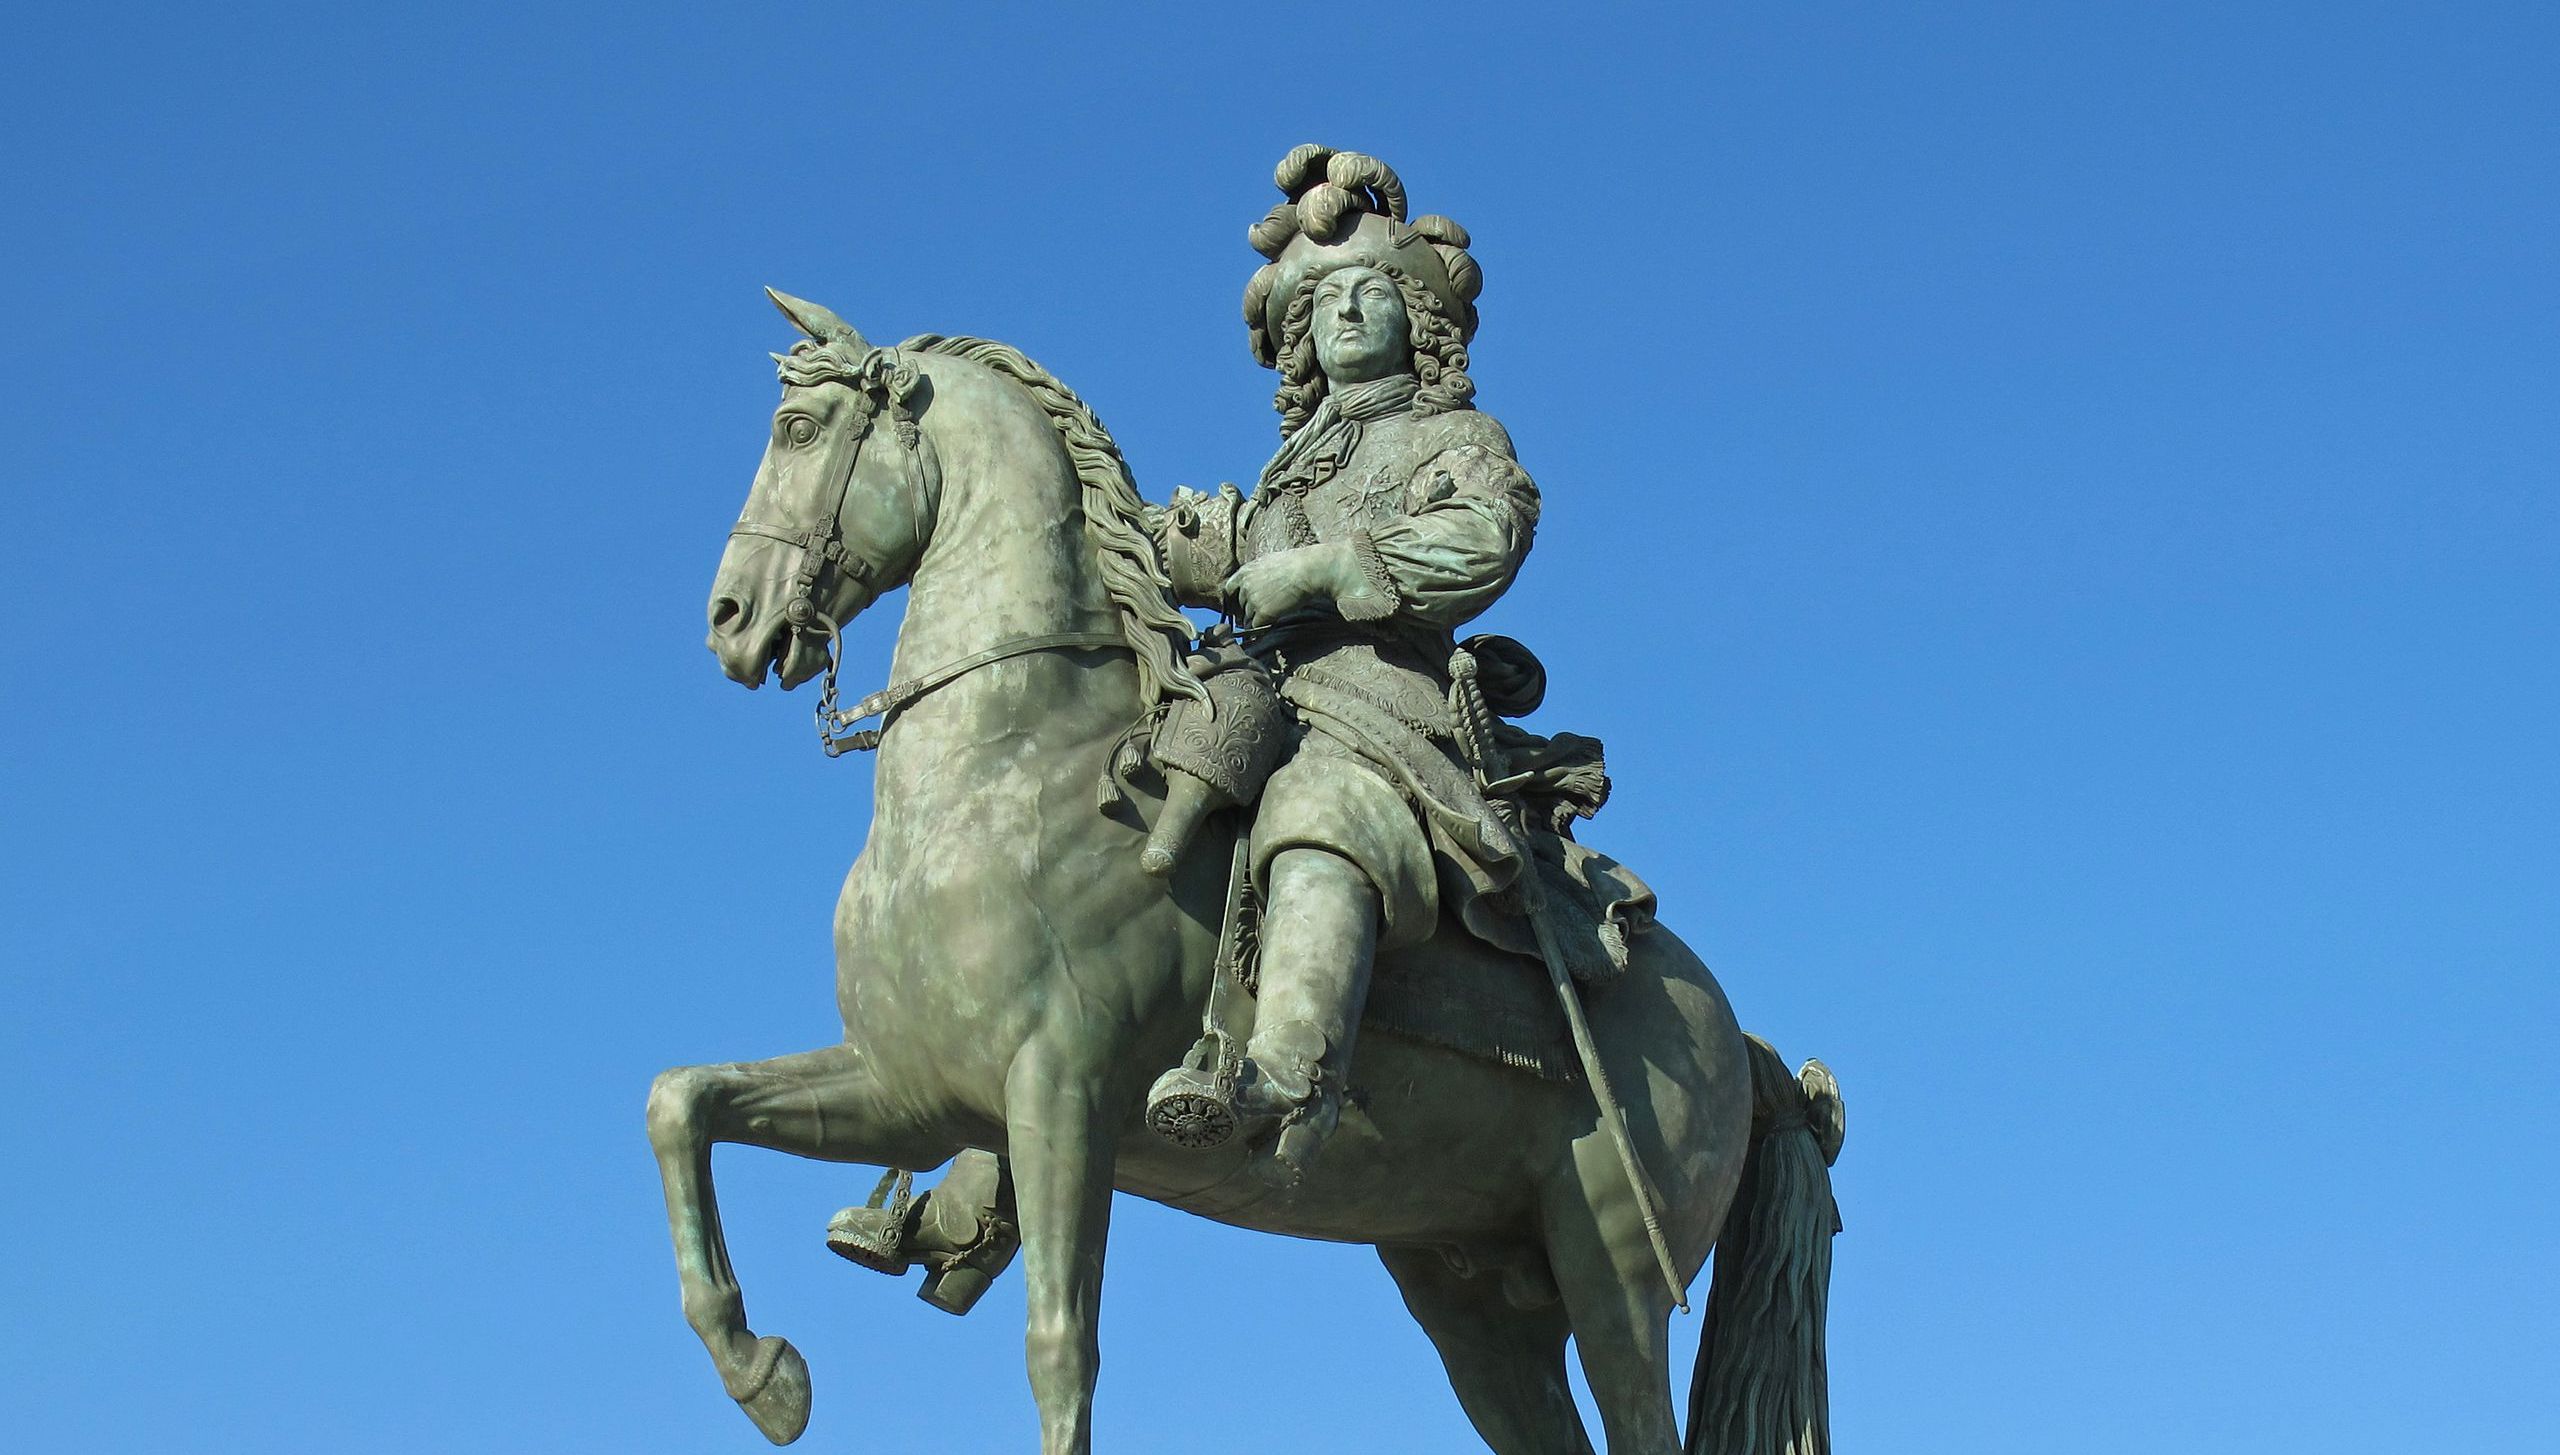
1114	517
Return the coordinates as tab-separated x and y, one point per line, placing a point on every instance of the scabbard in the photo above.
1475	739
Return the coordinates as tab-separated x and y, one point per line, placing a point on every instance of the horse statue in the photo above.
1011	979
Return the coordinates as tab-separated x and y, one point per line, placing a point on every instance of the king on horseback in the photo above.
1015	961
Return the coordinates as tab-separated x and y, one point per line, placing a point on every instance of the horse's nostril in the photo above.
725	612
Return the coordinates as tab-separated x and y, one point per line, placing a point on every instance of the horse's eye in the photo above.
801	430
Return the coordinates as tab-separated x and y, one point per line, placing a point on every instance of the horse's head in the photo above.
841	507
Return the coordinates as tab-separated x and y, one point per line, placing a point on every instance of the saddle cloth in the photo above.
1463	994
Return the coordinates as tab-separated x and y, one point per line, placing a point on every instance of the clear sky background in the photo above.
2050	505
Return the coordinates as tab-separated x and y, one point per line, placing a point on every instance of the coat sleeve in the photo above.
1469	515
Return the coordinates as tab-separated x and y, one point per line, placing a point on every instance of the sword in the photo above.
1475	737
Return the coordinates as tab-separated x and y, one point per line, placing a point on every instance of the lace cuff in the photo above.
1377	596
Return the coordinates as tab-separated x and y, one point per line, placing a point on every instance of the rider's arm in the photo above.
1470	514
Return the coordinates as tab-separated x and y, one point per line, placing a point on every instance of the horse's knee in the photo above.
675	1103
1062	1350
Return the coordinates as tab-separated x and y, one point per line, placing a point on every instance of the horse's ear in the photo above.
813	320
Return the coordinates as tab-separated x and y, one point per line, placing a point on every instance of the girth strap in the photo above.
886	703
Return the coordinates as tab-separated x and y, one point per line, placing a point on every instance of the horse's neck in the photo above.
999	569
1009	559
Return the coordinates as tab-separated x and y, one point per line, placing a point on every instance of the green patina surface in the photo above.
1114	882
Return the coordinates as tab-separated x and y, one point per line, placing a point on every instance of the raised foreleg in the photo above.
820	1104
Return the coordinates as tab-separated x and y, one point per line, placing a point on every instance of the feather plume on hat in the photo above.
1347	209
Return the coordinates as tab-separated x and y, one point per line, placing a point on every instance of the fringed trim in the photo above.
1507	1040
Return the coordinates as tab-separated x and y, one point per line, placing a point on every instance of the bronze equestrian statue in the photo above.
1105	844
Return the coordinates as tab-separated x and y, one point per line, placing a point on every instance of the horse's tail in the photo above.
1762	1386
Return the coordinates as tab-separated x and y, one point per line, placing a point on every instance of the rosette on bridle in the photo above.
1347	209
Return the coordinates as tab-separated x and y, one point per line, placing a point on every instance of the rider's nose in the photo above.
725	612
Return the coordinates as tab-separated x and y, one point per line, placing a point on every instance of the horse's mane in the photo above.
1114	517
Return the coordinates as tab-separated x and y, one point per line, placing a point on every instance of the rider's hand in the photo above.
1283	582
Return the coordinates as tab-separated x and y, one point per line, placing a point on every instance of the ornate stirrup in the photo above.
1193	1105
896	1230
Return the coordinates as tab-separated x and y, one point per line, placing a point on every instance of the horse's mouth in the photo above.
797	656
787	655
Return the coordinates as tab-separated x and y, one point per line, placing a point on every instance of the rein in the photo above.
889	701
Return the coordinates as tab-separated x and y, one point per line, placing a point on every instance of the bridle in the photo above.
881	380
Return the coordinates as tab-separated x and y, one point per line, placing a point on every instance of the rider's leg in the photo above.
1319	943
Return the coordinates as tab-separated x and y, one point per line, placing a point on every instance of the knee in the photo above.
1307	866
1061	1350
675	1102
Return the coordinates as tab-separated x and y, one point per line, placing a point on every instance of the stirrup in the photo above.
1191	1110
1193	1105
874	1236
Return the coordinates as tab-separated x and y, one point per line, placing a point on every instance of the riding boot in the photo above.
963	1231
1319	941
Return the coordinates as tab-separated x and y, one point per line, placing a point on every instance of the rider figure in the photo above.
1393	513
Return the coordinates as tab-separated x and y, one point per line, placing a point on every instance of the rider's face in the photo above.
1360	328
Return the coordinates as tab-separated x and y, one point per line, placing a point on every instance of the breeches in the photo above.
1328	797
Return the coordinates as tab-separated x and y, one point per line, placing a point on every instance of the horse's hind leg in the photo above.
815	1104
1616	1298
1506	1364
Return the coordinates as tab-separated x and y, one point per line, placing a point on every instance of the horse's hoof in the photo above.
774	1389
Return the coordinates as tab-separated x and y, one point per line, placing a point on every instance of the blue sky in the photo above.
2050	506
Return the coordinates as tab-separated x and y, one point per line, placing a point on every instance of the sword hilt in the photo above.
1475	718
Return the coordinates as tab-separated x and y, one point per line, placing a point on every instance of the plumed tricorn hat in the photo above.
1346	209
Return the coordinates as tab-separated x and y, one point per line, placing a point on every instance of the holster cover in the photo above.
1198	537
1232	741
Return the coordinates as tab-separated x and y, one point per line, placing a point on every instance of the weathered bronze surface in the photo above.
1128	888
